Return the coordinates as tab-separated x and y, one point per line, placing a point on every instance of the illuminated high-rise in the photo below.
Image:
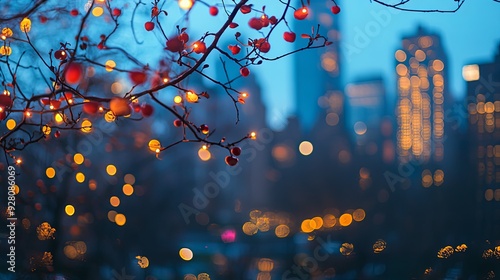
483	106
316	71
422	90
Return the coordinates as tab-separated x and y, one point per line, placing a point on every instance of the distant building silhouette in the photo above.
422	90
316	71
483	105
366	106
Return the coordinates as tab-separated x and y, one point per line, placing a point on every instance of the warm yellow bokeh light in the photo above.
358	215
306	148
204	154
318	221
191	97
86	126
111	170
143	262
345	220
177	99
97	11
50	172
282	231
11	124
329	221
109	117
128	189
80	177
114	201
58	117
69	209
110	65
186	254
250	228
46	129
186	4
78	158
120	219
307	225
154	145
25	25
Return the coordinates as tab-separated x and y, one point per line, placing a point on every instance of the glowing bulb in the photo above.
191	97
186	4
253	135
177	99
19	161
28	114
157	151
165	80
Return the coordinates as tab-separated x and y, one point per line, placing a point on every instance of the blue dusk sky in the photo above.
470	35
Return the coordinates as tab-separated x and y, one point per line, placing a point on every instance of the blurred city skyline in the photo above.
467	38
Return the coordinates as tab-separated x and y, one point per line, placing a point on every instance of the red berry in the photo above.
147	110
264	47
43	19
136	107
236	151
73	73
74	12
101	45
234	49
174	44
5	101
138	77
273	20
301	13
255	23
90	107
233	25
2	115
335	9
184	37
117	12
244	71
245	9
60	54
149	25
44	101
199	47
213	10
55	104
264	20
204	129
57	134
231	161
177	123
289	36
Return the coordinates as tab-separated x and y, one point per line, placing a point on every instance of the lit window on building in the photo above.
470	72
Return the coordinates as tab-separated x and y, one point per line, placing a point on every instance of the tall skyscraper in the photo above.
422	87
483	105
316	71
366	105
